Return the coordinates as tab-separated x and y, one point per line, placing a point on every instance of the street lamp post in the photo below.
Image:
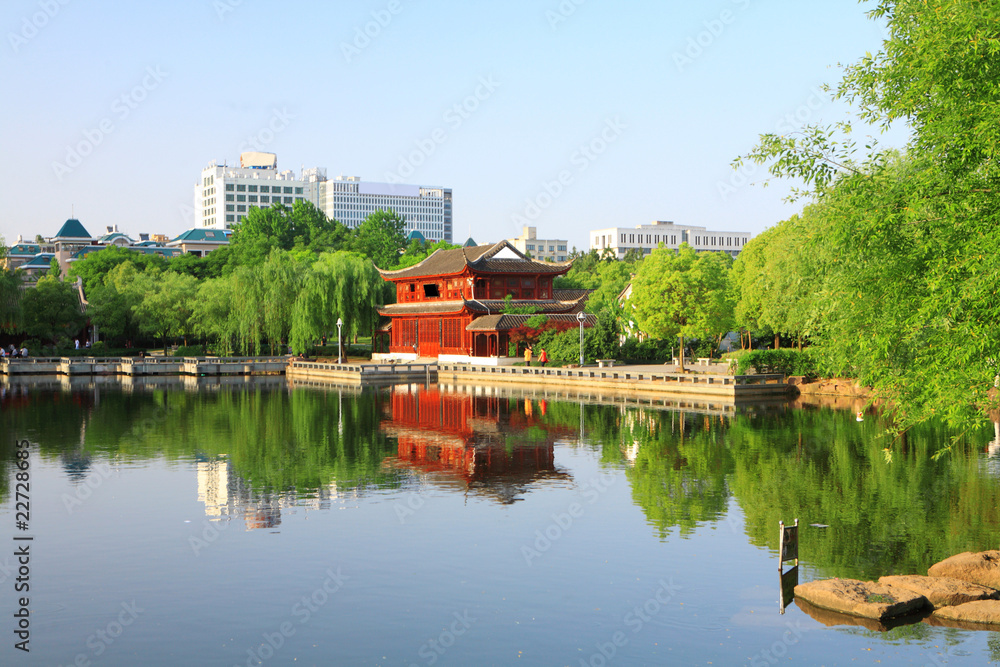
581	317
340	323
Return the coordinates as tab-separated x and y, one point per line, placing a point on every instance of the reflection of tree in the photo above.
274	439
680	463
825	467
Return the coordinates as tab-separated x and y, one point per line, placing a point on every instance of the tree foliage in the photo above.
52	311
683	293
340	285
380	237
907	273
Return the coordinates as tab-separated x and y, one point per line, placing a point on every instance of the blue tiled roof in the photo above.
25	249
202	236
39	261
72	229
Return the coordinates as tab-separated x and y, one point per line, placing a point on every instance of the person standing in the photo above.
543	358
527	355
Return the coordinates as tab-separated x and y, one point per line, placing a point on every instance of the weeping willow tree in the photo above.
262	300
340	285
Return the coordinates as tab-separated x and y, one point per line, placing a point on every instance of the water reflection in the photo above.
258	449
226	496
492	446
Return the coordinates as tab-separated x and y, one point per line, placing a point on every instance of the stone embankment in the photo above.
962	591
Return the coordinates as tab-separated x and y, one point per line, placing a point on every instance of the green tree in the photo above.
96	265
777	279
52	311
10	296
340	285
111	302
380	238
683	293
164	304
908	300
262	302
302	227
212	314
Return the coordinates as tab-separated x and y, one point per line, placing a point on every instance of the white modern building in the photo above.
540	249
225	194
645	238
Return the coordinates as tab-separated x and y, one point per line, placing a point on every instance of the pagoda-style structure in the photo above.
450	306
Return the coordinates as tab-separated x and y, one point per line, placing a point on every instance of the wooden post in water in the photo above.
788	544
788	549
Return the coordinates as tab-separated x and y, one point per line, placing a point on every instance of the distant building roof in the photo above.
108	239
415	235
470	243
72	229
144	249
25	249
198	235
41	260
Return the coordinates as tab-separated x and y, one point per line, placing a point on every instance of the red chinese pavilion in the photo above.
450	305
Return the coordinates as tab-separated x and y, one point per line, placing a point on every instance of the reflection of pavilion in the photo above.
227	495
497	447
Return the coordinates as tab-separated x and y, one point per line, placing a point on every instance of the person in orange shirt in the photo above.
543	358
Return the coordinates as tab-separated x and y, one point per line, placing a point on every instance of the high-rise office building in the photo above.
225	194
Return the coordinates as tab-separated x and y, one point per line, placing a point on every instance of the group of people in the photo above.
529	351
13	352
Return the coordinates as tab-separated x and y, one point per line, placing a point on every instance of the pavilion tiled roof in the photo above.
570	294
481	259
421	307
507	322
497	305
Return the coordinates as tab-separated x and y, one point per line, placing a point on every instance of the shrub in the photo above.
786	362
651	350
190	351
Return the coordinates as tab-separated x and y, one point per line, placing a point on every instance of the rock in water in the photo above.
985	612
979	568
861	598
942	591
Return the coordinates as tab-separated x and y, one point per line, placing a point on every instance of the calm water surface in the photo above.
252	524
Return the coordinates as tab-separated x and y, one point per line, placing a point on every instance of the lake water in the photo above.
251	524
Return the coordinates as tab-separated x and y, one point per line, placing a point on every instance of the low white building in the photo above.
645	238
540	249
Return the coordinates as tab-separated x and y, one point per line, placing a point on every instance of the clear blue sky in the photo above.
114	108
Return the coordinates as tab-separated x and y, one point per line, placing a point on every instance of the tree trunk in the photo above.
777	342
800	342
680	353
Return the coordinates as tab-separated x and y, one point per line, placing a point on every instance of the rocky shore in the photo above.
962	591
